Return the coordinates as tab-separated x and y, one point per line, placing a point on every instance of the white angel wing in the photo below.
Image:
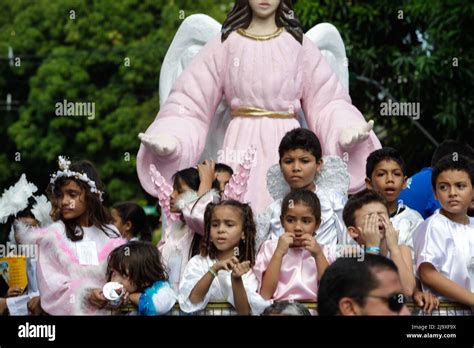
333	176
195	31
329	41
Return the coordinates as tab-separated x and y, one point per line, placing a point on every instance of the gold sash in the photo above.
250	111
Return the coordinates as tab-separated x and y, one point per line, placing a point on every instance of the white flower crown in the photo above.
64	164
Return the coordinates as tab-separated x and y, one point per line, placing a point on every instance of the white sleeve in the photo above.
430	243
256	302
332	226
164	300
194	271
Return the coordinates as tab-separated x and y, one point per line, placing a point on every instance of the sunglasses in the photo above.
395	301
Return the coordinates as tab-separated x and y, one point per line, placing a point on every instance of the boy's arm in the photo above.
401	256
444	286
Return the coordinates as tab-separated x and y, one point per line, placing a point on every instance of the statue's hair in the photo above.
241	15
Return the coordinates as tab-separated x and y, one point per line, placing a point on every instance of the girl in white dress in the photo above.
223	270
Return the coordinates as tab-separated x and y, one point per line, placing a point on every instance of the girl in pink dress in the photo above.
268	71
72	252
290	268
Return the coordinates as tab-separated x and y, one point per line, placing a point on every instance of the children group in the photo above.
215	249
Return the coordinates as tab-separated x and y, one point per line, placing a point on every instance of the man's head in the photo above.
369	287
300	158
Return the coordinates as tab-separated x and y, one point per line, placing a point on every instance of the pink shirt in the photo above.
298	274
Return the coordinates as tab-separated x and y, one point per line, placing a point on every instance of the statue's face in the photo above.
264	8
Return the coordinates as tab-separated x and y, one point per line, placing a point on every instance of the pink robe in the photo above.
298	278
278	74
64	283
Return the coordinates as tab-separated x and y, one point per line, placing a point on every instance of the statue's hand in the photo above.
160	144
352	136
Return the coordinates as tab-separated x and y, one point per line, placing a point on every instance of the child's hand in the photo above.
206	170
284	242
227	264
310	244
34	306
391	234
426	300
97	298
206	174
240	269
370	232
14	291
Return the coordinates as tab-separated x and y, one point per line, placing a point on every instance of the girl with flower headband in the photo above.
73	251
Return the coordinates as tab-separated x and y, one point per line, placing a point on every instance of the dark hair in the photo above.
350	277
25	213
449	147
191	177
130	211
246	246
221	168
140	261
286	308
449	163
357	201
241	15
385	153
96	212
305	197
300	138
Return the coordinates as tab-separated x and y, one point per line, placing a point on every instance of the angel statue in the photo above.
256	77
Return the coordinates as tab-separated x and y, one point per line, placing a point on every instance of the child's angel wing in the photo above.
333	176
329	42
163	190
195	31
237	185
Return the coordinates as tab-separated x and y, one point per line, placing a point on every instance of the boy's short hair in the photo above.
349	277
357	201
449	147
449	163
300	138
385	153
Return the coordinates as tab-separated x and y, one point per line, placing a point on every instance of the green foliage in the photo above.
409	47
105	52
